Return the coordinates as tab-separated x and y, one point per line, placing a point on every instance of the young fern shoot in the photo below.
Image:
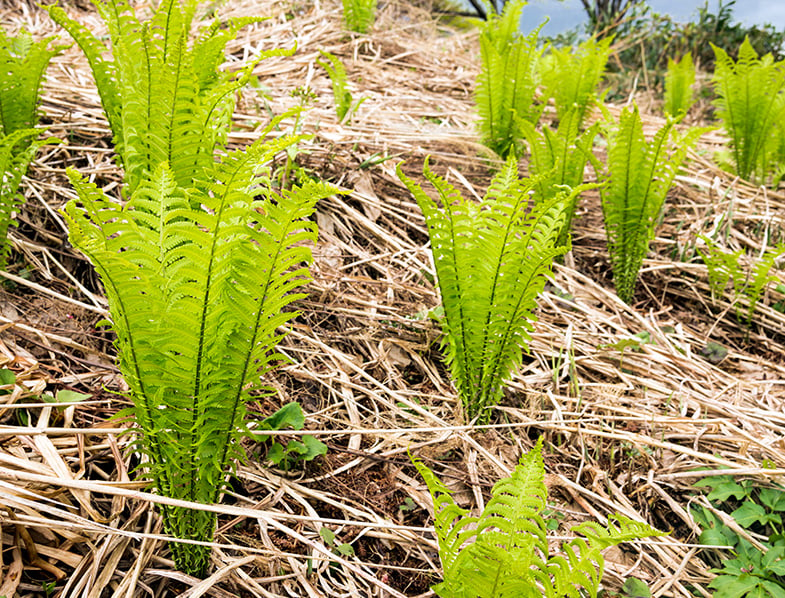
559	159
23	65
344	103
359	15
571	77
679	82
505	551
750	103
507	82
491	262
197	280
166	100
639	176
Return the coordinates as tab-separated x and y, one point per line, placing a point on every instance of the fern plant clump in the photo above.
679	82
23	63
491	262
639	176
751	105
359	15
571	77
505	552
197	280
508	80
165	98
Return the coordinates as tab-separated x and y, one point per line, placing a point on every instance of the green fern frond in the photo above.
679	81
640	175
505	554
337	74
197	282
750	101
491	261
359	15
573	76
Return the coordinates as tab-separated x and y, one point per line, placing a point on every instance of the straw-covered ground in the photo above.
625	430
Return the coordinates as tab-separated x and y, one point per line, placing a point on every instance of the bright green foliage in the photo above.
306	449
491	261
748	571
750	102
359	15
197	280
508	79
22	66
166	100
726	267
639	177
504	552
344	105
679	79
560	159
572	76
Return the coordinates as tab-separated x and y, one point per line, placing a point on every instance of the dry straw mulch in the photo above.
627	431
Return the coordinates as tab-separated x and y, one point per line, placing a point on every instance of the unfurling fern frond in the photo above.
491	262
197	282
508	80
504	553
571	77
639	177
359	15
679	81
750	102
22	66
559	159
165	98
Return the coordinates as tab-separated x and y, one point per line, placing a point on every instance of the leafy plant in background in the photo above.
165	101
508	79
22	66
571	77
679	81
344	103
559	159
639	175
359	15
505	551
756	567
197	280
750	102
491	261
726	267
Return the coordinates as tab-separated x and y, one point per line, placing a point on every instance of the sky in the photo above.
569	13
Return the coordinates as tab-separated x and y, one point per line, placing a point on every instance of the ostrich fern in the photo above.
505	553
23	63
639	176
491	261
166	100
197	280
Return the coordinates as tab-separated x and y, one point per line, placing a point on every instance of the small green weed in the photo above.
295	451
345	106
757	566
